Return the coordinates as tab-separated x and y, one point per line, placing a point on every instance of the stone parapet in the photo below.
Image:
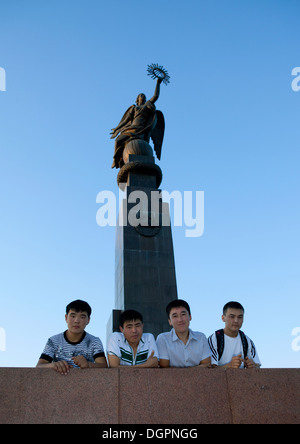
150	396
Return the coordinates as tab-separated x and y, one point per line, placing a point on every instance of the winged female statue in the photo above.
140	121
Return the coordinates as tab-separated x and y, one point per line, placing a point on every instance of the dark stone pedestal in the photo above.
145	277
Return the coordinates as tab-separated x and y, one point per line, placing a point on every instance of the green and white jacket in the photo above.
117	345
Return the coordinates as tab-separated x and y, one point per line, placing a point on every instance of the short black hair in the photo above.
177	303
130	315
232	304
78	306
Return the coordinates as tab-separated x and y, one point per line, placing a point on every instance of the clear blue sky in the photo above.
232	131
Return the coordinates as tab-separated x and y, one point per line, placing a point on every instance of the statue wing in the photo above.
157	133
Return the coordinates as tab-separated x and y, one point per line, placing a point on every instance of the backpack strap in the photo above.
220	341
244	343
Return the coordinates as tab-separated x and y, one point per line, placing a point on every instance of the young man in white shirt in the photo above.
131	346
182	347
230	347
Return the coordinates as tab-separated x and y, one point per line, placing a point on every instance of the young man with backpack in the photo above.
230	347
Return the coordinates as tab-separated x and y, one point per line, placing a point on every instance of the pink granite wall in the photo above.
149	396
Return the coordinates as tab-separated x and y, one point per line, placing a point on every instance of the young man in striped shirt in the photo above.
74	347
131	346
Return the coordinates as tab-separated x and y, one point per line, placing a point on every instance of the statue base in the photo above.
145	278
139	163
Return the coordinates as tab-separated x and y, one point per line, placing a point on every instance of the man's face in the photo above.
233	319
179	319
77	321
132	331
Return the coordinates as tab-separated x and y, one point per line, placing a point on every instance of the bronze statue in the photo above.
141	121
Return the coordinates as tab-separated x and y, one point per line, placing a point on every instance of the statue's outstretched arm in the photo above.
127	117
115	131
157	91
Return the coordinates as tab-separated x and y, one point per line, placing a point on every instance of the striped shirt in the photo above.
59	348
117	345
